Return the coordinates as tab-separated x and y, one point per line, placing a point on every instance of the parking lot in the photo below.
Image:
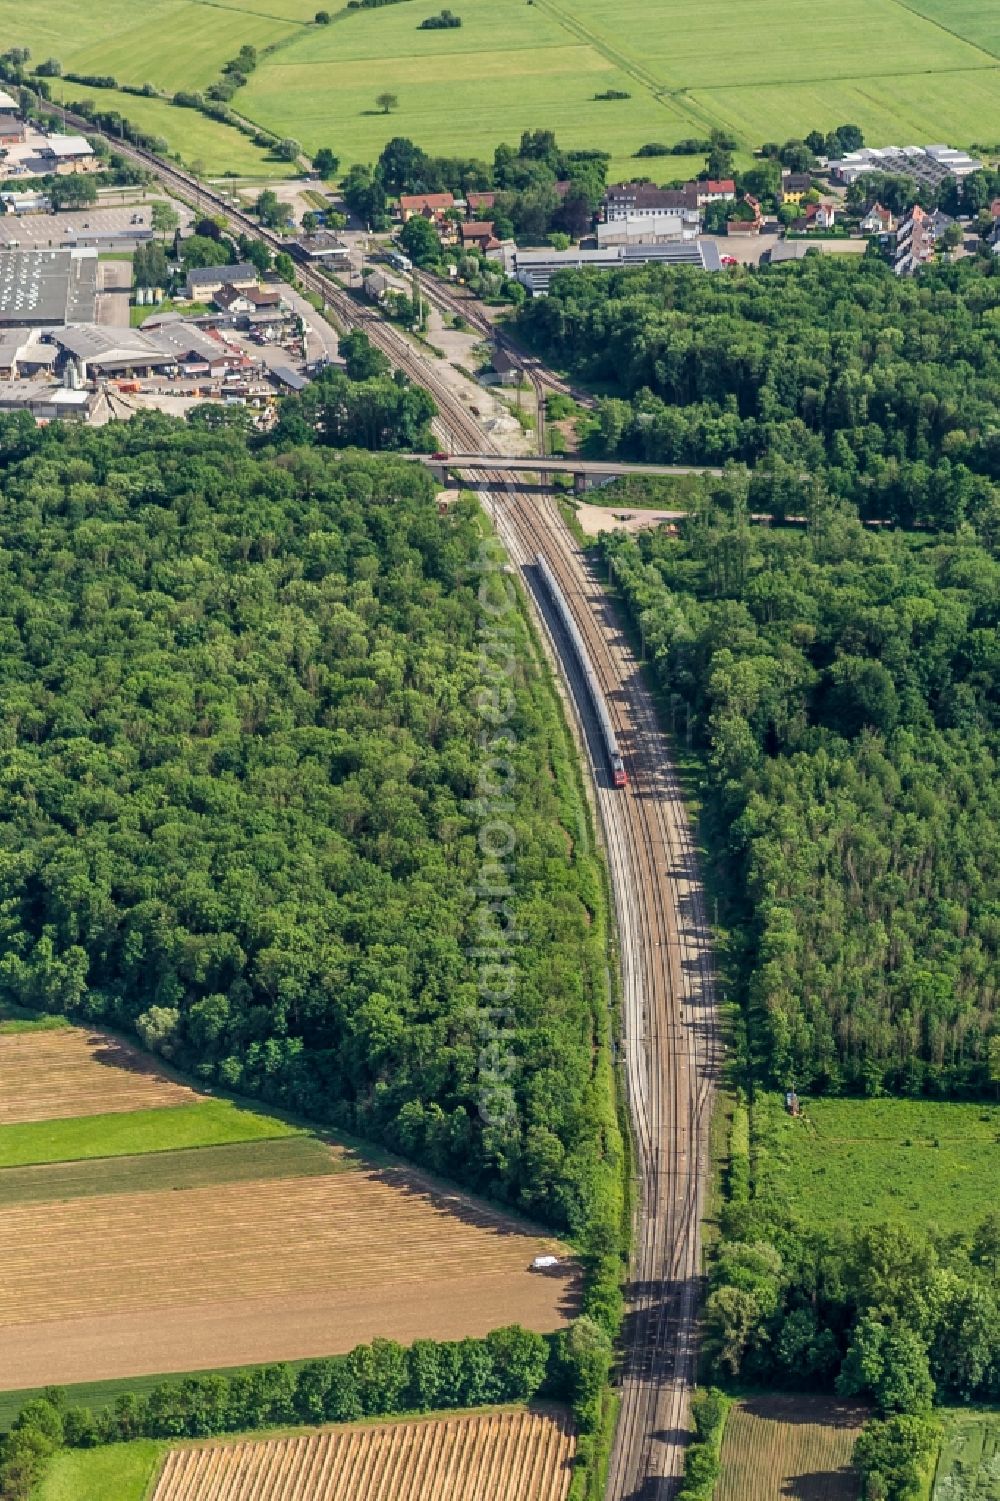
45	231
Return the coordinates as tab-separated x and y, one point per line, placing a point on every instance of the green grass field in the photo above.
160	1171
210	1123
119	1472
904	70
193	137
969	1464
913	1161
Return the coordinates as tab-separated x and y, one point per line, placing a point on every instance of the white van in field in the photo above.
543	1263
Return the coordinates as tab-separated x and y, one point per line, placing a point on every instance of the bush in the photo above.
709	1410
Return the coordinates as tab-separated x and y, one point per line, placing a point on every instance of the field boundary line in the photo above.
660	91
933	21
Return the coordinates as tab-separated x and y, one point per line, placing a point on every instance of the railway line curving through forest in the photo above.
672	1047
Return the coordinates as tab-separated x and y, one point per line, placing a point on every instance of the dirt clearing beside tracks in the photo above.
506	1456
51	1075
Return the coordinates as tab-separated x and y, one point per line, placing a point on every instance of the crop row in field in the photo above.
207	1123
506	1456
120	1253
790	1446
167	1171
916	1161
70	1072
151	1240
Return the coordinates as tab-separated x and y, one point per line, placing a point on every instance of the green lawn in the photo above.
903	75
221	150
170	43
915	1161
969	1464
166	1171
17	1019
119	1472
207	1124
905	70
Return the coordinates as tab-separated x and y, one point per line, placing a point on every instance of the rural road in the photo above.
672	1047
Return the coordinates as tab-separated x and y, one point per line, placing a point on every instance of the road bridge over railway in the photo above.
585	472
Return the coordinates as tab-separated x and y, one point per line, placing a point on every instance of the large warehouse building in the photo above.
47	288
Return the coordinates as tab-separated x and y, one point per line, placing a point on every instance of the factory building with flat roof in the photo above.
47	288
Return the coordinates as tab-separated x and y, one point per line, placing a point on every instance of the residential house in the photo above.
878	221
795	186
826	214
431	206
379	286
747	226
916	239
478	204
246	301
478	234
712	190
507	366
205	281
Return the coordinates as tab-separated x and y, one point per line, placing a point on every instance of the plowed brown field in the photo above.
794	1447
503	1456
50	1075
252	1271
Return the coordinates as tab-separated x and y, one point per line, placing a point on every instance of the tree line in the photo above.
886	385
528	204
376	1380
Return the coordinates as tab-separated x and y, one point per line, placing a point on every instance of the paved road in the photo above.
496	465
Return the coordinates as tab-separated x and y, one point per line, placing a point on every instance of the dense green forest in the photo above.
887	385
241	755
845	687
842	688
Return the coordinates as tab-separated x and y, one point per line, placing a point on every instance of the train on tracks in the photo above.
613	755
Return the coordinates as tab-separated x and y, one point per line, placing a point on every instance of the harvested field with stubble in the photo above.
499	1456
70	1072
130	1283
797	1448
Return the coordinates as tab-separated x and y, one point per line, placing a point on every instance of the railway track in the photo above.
672	1047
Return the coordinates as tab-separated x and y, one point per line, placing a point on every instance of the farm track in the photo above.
672	1041
505	1456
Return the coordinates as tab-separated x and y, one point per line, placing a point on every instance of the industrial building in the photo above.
932	165
46	288
535	269
650	229
101	351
